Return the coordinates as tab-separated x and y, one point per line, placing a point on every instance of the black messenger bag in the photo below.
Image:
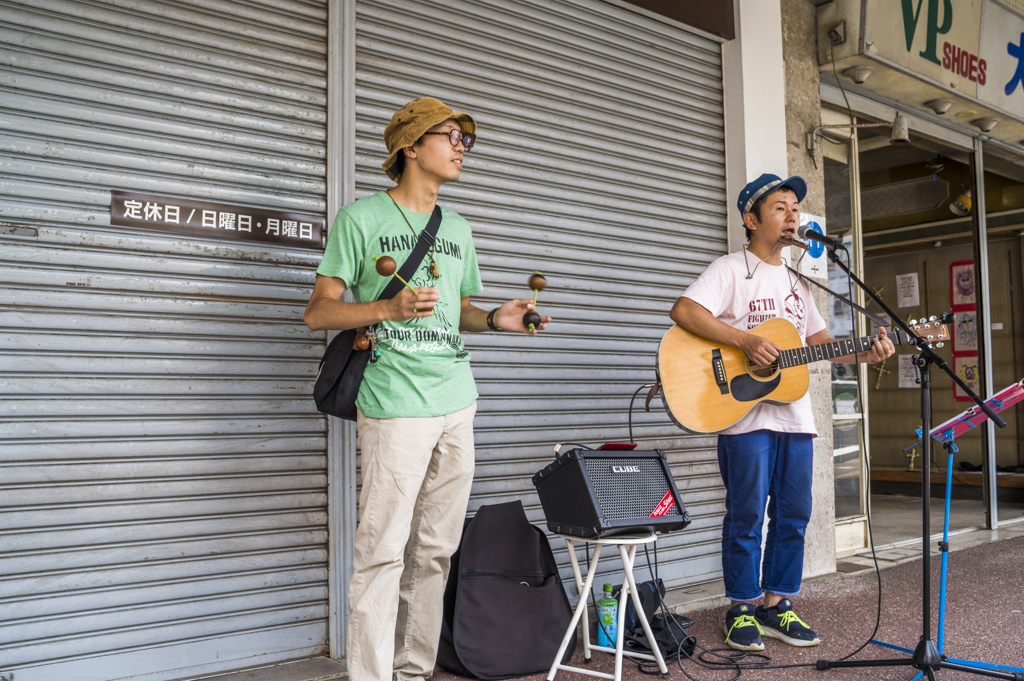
341	367
505	610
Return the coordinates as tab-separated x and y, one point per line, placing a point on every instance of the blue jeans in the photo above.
759	467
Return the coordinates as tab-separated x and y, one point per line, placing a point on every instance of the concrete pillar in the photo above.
755	102
803	114
771	101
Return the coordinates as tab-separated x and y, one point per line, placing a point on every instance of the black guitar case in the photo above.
505	610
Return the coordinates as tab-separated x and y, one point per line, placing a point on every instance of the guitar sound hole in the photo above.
764	371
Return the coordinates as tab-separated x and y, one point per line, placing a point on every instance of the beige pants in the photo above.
417	475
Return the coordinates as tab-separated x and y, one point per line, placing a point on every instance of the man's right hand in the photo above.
408	305
699	321
326	310
760	351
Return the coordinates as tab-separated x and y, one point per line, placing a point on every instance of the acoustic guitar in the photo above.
710	386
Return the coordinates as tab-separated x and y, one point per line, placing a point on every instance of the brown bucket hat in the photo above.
415	118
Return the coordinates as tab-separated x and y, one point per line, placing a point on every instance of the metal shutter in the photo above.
601	163
162	468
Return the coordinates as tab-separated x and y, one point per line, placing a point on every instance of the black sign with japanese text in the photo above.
216	219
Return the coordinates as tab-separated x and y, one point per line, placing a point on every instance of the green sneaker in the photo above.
779	621
742	632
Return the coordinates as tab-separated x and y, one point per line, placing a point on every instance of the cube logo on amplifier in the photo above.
590	493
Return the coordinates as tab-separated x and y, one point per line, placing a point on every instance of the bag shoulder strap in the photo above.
426	240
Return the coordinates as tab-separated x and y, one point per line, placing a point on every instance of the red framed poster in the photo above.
966	367
965	333
961	285
965	328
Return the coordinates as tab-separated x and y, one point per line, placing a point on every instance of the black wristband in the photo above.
490	321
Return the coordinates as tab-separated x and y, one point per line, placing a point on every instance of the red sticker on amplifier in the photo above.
665	506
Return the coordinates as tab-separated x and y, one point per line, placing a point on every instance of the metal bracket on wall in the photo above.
837	34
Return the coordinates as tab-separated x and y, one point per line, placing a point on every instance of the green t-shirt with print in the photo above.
424	368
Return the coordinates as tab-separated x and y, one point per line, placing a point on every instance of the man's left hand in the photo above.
509	317
881	347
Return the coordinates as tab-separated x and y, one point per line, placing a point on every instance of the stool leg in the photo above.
580	609
620	635
640	614
585	620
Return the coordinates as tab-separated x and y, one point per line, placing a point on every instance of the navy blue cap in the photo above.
765	184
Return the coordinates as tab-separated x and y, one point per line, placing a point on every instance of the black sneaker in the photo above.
742	632
779	621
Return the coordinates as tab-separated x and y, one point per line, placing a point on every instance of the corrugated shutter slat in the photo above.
162	470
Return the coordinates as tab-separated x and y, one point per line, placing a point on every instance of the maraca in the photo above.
537	283
531	320
386	267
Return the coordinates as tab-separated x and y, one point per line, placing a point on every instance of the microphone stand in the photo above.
926	656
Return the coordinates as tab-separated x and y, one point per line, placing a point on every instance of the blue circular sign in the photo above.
815	249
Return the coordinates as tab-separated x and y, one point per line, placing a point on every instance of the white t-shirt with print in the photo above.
724	291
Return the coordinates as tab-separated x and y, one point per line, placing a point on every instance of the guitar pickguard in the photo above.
746	388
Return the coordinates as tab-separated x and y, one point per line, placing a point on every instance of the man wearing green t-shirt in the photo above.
417	401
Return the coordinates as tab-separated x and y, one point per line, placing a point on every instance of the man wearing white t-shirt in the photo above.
767	456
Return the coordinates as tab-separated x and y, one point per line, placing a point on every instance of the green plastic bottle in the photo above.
607	609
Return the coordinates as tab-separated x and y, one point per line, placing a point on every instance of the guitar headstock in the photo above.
932	330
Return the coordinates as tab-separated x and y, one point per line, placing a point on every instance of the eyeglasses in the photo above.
456	136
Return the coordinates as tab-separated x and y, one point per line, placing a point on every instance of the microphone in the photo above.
805	232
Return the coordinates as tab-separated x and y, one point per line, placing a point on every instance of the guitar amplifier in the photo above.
589	493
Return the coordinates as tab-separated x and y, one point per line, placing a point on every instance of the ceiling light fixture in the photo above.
940	106
961	205
859	74
985	124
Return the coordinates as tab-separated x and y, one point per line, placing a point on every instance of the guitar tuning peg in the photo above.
932	318
939	345
913	322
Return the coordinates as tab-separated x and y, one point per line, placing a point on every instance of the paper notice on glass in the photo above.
908	373
909	292
840	318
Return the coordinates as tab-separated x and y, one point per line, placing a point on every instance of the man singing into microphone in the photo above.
767	456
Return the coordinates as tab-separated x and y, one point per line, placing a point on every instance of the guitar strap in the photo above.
655	387
870	315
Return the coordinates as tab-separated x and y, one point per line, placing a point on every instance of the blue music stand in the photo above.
946	433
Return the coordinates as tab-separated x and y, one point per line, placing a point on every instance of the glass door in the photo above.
848	419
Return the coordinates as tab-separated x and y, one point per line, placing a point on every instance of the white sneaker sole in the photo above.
799	643
752	648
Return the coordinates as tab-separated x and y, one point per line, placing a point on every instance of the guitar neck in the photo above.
822	351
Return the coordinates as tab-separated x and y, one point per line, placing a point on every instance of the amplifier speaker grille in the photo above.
628	494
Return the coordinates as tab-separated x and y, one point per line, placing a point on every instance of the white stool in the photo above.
628	589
